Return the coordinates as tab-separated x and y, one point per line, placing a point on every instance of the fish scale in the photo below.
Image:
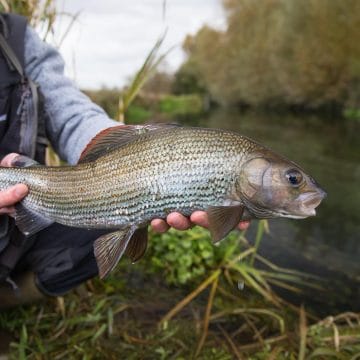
182	168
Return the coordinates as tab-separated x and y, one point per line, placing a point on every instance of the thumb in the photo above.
12	195
8	159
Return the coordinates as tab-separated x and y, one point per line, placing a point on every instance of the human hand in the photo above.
12	195
180	222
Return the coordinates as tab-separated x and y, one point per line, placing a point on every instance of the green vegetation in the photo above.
280	53
226	309
137	114
40	14
148	69
351	113
181	105
146	107
180	258
107	99
188	79
37	11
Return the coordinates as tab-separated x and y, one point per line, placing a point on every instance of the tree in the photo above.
281	52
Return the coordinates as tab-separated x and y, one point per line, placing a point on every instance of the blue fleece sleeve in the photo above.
73	120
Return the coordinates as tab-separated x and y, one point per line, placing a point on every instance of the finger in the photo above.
178	221
8	159
200	218
9	210
243	225
12	195
159	225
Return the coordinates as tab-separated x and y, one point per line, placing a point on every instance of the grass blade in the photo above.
207	316
189	297
303	333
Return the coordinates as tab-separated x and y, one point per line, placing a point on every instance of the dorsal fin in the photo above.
115	137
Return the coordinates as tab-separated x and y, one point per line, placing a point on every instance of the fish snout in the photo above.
309	201
323	193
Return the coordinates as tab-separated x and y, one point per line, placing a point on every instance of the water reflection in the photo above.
328	149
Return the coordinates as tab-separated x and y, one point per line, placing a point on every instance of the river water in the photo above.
329	150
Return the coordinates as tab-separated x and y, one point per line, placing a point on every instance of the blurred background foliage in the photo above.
37	11
272	53
41	15
278	53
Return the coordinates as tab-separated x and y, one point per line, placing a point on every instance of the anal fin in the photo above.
223	219
29	222
109	248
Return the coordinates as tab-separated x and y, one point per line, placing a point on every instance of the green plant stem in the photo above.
303	333
258	238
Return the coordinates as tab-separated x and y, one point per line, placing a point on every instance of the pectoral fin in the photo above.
24	161
137	244
109	248
223	219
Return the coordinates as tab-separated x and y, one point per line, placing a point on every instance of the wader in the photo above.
58	258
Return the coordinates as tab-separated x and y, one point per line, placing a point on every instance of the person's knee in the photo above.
19	290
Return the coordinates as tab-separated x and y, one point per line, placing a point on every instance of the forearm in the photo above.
73	119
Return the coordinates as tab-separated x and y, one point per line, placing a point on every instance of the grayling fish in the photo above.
130	175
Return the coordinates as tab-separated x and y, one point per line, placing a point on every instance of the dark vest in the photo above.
22	130
22	124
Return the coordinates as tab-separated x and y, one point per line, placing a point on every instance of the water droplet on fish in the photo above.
241	285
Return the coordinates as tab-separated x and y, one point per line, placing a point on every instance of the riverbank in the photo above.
224	309
142	313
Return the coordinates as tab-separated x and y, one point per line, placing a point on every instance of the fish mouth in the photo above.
309	201
306	204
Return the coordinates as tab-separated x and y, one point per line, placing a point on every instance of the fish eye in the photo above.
294	177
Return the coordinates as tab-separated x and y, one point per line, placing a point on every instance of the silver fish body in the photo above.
182	170
136	174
